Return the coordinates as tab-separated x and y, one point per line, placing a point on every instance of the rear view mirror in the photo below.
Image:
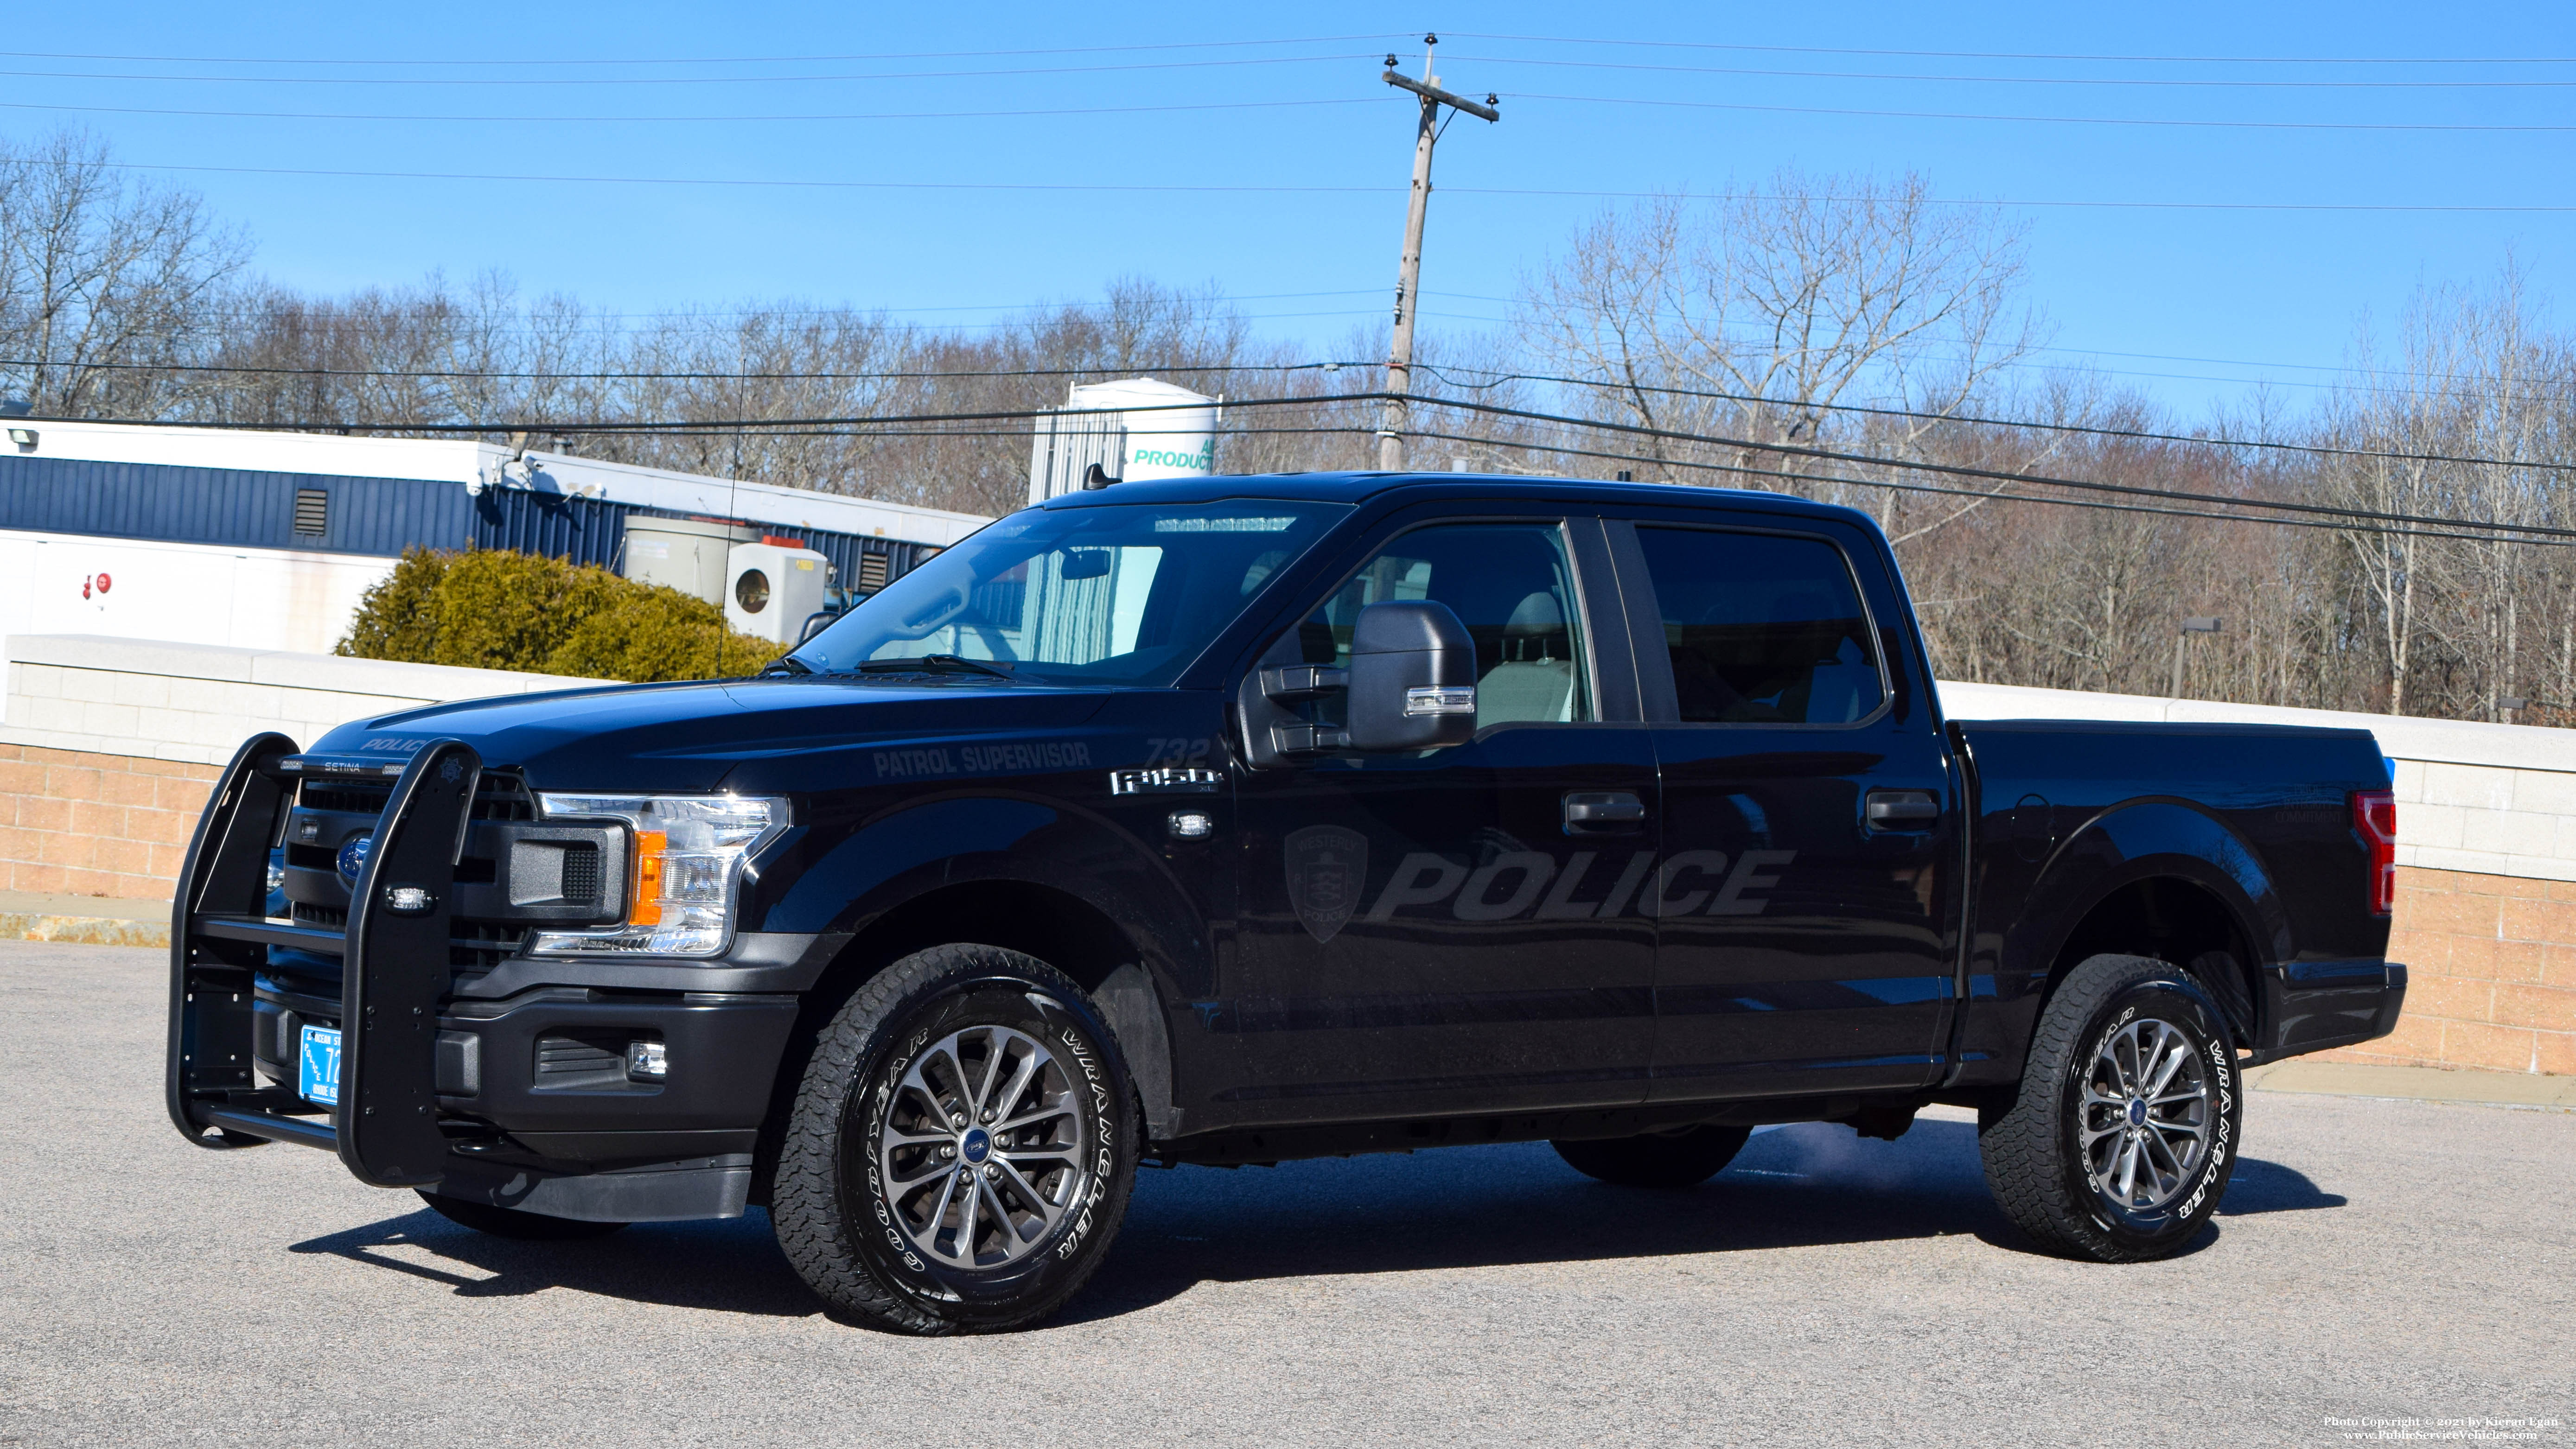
1084	563
1412	678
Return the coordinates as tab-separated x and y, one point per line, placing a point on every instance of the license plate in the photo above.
317	1066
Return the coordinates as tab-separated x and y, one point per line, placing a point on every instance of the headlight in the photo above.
687	867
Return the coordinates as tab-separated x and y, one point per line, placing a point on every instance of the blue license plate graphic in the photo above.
317	1066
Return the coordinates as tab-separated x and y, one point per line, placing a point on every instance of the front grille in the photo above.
330	918
503	797
497	796
350	797
475	947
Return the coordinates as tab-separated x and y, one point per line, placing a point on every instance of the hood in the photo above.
690	737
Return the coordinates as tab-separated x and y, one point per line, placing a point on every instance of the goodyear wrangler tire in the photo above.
2124	1134
961	1148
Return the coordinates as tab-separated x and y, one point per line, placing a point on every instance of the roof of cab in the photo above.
1363	487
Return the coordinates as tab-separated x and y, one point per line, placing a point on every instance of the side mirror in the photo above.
1412	678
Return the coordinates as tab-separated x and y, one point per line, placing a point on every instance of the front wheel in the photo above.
961	1148
2123	1136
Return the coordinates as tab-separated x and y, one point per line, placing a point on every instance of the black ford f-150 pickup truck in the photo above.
1242	819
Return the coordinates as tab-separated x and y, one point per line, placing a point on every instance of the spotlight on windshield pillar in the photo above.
2191	624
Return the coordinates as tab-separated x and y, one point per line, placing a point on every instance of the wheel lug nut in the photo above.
992	1173
957	1121
948	1152
988	1118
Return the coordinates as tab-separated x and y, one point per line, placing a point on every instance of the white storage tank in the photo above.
1176	440
772	589
688	554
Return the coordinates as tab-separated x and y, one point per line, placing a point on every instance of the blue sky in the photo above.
2191	304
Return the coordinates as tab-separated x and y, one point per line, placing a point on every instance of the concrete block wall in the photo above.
2486	853
79	823
110	746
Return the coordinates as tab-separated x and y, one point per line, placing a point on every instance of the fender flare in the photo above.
841	877
2157	838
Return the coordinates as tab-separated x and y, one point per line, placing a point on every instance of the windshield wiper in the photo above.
933	664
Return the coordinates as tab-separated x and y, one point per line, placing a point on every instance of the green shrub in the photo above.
395	618
495	609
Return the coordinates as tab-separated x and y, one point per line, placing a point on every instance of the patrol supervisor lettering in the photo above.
979	760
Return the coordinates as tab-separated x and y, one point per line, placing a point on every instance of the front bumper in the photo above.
496	1078
2314	1006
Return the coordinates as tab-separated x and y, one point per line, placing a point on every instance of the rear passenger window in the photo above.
1761	629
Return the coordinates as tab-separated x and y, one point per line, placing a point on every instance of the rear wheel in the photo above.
1683	1158
2122	1139
502	1222
961	1148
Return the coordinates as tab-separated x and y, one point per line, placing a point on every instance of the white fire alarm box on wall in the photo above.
772	589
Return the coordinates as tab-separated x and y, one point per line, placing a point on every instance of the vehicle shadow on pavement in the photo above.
729	1266
1809	1185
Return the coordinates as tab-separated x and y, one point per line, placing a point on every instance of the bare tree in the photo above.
1753	317
106	285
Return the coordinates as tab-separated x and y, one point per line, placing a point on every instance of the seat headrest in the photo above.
1537	614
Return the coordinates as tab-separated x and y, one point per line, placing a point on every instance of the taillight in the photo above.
2374	815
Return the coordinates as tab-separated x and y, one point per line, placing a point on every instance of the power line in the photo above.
2036	55
1828	455
809	183
1996	496
713	59
685	80
2136	434
835	116
2438	126
1963	470
1451	375
2159	81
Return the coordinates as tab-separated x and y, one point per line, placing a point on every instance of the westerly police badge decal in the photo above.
1327	868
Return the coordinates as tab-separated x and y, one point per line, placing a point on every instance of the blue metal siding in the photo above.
229	506
381	516
584	530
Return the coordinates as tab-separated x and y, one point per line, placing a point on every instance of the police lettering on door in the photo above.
1527	885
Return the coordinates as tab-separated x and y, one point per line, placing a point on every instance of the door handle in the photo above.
1603	812
1900	809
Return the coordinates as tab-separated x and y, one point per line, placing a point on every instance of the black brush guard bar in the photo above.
393	956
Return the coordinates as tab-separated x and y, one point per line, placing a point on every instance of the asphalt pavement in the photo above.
2375	1261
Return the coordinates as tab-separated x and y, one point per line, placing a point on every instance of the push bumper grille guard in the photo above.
394	967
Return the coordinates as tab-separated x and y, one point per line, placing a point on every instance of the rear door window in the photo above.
1761	628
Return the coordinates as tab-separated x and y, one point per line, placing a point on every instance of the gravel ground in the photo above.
2374	1260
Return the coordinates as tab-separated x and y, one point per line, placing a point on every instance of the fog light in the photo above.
646	1061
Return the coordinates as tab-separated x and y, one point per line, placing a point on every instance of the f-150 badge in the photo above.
1327	869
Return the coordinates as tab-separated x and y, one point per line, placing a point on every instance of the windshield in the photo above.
1110	594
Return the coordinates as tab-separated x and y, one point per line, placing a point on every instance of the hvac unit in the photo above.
772	589
688	554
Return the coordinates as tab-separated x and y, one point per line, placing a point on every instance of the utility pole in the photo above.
1408	272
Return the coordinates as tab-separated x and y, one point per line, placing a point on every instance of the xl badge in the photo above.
1327	868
